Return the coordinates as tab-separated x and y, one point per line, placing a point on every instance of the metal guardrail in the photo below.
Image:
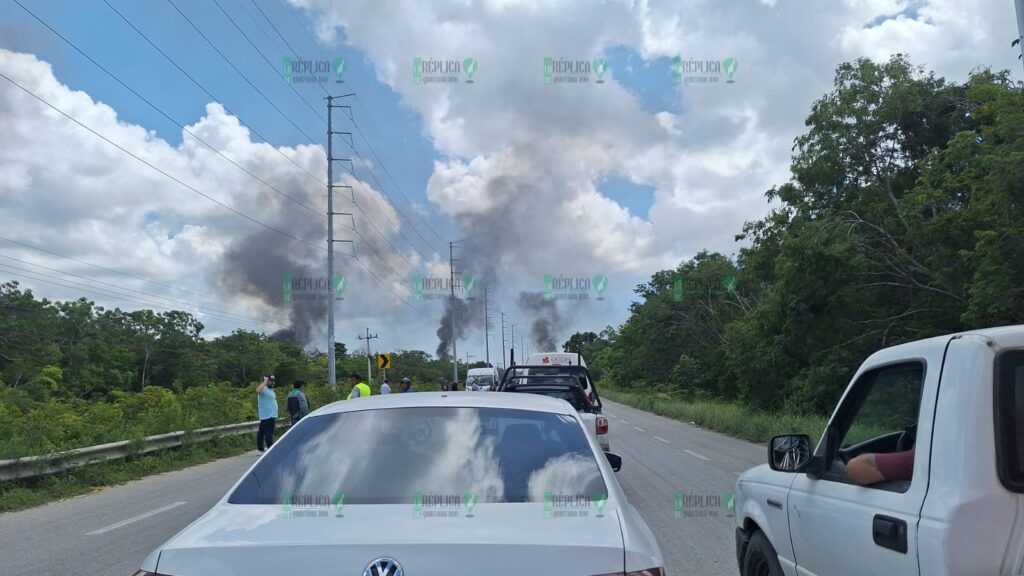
34	466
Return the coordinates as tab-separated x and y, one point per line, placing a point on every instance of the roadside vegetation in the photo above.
904	219
729	418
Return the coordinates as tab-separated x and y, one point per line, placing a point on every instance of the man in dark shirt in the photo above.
872	468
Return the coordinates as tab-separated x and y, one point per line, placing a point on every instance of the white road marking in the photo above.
638	429
624	421
696	455
662	439
142	516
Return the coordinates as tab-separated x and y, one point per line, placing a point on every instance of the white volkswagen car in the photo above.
424	484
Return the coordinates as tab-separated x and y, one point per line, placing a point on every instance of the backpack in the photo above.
293	405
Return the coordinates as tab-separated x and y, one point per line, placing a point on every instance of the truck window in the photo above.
885	404
1009	406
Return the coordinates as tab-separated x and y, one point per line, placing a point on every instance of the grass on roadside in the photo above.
732	419
21	494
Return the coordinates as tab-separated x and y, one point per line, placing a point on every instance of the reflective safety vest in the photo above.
364	391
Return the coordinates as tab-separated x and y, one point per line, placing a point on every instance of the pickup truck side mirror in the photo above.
789	452
615	460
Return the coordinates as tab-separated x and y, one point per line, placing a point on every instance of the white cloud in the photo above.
66	190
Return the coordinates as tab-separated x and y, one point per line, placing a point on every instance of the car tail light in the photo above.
602	425
590	396
648	572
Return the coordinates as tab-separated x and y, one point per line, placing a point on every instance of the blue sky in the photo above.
101	33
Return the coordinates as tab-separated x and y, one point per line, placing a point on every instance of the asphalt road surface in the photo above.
675	474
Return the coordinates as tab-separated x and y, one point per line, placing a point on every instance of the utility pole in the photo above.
504	325
332	377
451	286
369	372
487	324
512	341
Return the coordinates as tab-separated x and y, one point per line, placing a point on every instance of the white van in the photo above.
486	378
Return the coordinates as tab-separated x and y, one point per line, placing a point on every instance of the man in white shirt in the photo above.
385	388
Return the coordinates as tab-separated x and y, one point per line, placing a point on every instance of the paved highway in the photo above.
109	532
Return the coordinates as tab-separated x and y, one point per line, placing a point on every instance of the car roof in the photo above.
1002	335
449	399
548	367
557	383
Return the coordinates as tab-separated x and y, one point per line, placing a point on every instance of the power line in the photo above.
209	94
370	220
161	111
393	203
58	281
155	168
246	216
193	189
240	73
260	52
351	145
113	271
367	141
227	314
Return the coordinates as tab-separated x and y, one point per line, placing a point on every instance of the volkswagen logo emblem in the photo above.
383	567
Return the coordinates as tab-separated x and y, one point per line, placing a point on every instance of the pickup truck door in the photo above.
840	528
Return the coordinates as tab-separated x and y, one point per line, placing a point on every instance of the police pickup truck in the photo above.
958	402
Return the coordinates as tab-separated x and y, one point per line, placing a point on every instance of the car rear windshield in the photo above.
1009	406
573	395
403	455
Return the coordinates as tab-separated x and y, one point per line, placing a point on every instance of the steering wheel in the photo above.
907	439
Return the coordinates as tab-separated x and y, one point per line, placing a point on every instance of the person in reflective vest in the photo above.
359	389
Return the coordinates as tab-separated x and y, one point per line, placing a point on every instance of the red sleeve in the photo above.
896	465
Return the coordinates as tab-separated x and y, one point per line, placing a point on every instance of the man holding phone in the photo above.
266	406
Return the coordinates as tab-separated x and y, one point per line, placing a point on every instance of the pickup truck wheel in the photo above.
760	558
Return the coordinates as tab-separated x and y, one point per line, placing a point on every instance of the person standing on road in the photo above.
266	408
359	389
297	403
407	385
385	387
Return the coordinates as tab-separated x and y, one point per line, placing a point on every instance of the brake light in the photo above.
602	425
590	396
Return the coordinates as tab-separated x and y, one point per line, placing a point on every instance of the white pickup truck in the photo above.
958	402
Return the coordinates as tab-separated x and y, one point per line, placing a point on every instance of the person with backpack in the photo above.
297	403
